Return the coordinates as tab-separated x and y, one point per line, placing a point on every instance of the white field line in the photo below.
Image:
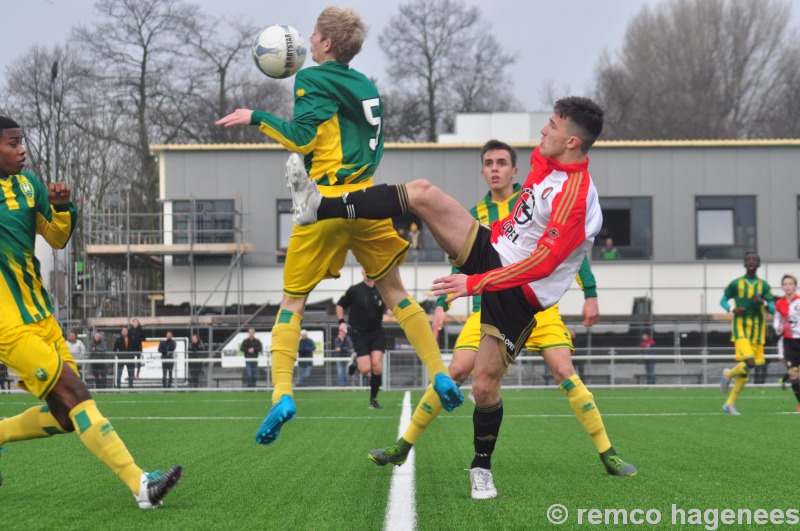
401	511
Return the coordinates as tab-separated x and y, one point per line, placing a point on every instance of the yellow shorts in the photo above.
549	332
318	251
37	352
745	349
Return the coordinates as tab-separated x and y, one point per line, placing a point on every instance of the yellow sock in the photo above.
414	322
738	385
285	341
428	409
99	436
32	423
741	369
582	403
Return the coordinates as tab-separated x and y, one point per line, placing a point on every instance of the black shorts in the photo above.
791	351
365	341
505	314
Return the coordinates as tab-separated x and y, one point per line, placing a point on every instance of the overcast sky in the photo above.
558	41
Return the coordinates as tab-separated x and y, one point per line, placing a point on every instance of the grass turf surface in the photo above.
317	475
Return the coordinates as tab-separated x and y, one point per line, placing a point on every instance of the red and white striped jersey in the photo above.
787	317
545	238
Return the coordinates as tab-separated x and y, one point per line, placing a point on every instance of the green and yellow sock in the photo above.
414	322
99	436
285	341
428	409
33	423
582	403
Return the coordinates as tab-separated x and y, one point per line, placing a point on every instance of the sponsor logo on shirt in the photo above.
547	192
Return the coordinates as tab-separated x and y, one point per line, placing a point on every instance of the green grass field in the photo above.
317	475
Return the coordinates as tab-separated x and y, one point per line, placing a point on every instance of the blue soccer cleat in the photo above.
279	414
449	393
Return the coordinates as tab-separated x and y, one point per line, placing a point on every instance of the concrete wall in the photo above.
673	174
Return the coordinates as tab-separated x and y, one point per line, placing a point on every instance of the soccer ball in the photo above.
279	51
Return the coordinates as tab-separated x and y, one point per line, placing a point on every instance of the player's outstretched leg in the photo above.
278	415
155	485
306	196
448	391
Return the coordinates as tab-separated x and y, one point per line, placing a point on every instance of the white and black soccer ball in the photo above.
279	51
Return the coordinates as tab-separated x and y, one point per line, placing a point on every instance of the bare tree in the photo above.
695	69
137	49
438	52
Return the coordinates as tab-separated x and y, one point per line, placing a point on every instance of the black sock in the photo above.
374	385
796	389
376	202
486	426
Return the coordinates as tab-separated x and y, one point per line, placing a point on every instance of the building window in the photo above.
726	226
423	245
628	224
203	221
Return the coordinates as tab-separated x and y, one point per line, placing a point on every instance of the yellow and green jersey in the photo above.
336	124
487	212
752	325
24	213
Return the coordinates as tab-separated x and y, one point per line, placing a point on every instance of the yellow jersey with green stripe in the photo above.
24	213
752	325
337	122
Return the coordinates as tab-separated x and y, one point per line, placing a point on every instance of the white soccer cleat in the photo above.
730	409
155	485
482	484
305	193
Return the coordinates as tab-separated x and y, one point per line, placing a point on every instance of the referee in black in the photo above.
369	337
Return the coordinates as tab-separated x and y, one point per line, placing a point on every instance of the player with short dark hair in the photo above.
752	298
337	126
522	264
31	343
550	337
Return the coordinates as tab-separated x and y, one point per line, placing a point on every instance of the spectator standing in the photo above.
77	349
342	348
646	345
98	350
252	348
126	353
137	335
304	354
197	350
167	350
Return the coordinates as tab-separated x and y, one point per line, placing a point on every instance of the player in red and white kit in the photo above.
521	265
787	325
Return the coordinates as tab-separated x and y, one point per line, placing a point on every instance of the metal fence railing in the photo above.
615	368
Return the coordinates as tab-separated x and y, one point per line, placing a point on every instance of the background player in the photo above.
550	337
31	343
752	298
787	326
337	126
